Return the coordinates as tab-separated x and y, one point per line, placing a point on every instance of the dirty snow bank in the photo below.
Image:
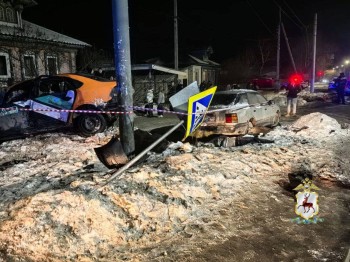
303	97
315	127
47	212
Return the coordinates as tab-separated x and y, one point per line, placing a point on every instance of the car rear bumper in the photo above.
235	130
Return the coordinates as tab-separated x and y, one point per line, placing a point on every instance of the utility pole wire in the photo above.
294	14
284	12
305	31
262	21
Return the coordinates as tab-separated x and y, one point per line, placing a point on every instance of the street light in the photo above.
346	71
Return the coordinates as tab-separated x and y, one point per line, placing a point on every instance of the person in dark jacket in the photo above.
293	89
340	84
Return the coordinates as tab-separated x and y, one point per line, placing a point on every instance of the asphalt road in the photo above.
337	111
150	123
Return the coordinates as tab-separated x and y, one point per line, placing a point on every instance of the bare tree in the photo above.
91	57
265	49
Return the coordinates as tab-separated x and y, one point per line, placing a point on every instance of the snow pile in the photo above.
317	96
317	126
303	97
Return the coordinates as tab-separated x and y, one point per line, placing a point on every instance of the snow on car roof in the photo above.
236	91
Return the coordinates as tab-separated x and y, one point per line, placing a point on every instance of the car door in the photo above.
256	107
14	118
243	108
52	96
267	110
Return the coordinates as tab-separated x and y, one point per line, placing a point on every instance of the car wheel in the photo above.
90	124
276	119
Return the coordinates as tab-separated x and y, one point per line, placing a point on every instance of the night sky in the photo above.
227	25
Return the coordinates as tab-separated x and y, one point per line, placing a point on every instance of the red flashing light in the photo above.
296	79
320	73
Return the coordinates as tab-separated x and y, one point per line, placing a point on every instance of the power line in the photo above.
261	20
284	12
294	14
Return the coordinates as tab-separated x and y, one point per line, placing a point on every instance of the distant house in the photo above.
156	77
200	68
28	50
156	73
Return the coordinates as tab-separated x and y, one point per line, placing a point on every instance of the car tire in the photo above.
90	124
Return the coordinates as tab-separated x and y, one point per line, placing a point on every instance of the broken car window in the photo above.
243	99
22	92
261	99
223	99
253	99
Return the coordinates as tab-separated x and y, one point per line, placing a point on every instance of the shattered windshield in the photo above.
223	99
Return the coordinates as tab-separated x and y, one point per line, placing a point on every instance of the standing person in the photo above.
202	86
340	84
149	101
161	101
293	89
209	84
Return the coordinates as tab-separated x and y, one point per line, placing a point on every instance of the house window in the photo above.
2	14
4	65
51	65
9	15
29	66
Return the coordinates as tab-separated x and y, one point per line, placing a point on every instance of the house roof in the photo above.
158	68
36	32
203	62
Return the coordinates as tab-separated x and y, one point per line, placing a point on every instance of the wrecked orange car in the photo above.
38	105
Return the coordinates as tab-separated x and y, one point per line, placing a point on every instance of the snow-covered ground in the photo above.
182	202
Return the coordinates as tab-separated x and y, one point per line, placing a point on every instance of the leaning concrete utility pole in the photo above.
123	72
176	38
312	85
278	51
288	47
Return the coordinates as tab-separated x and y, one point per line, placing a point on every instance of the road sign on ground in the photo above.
197	108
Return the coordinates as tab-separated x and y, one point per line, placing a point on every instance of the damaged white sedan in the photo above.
237	113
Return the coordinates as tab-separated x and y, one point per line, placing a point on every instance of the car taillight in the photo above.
231	118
